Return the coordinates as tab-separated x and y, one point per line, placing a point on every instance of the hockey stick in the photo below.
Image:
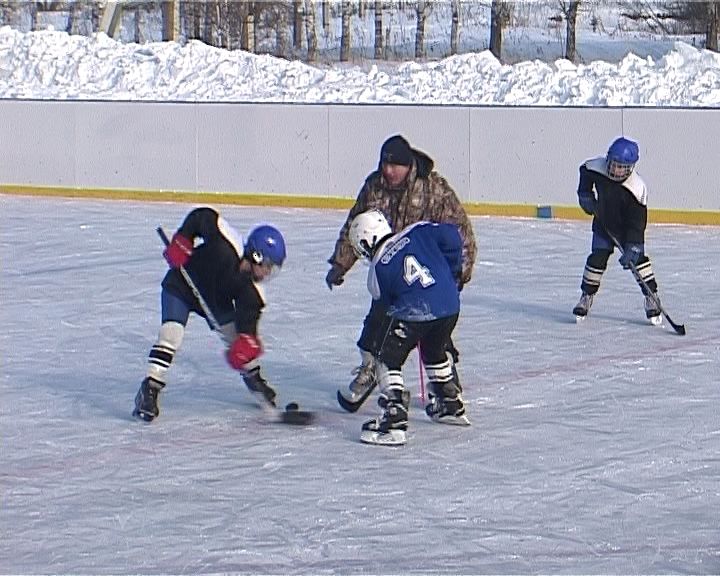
422	378
291	414
679	328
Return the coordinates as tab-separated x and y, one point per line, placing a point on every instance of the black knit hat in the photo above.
396	150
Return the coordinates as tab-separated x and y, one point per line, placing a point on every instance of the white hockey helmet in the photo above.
366	231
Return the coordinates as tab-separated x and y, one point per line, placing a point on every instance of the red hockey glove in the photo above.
178	251
244	349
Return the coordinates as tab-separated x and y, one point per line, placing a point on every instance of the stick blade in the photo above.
679	328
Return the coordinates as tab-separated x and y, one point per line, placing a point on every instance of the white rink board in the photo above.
503	155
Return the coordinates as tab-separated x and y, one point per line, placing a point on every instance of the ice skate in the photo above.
146	400
446	411
583	307
390	428
652	309
360	388
260	387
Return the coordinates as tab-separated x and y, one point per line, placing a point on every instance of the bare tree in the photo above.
80	17
570	11
247	28
325	9
500	11
346	8
310	31
281	30
455	27
696	18
379	44
421	13
298	23
713	25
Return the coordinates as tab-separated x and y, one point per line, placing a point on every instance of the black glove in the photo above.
631	255
588	203
335	276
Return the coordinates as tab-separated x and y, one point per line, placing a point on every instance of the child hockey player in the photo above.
406	187
415	275
227	276
612	192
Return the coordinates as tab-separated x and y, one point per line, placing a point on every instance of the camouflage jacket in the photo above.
426	196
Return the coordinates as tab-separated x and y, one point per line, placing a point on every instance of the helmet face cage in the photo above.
366	230
621	158
619	171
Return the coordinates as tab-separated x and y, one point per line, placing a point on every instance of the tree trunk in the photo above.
325	6
298	21
421	12
570	30
455	27
496	28
281	32
136	25
713	25
170	23
310	31
345	34
247	35
379	44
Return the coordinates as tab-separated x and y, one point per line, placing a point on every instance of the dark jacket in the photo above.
620	205
427	196
214	267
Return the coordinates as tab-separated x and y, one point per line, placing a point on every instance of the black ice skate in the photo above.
583	307
259	386
447	411
388	429
652	309
146	400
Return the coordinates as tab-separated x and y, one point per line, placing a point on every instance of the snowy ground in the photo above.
595	448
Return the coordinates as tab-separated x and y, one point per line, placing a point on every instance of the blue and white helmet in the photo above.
621	158
265	245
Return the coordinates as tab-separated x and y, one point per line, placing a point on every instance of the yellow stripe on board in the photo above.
655	216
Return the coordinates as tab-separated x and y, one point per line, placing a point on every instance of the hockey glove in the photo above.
178	251
588	203
335	276
631	255
244	350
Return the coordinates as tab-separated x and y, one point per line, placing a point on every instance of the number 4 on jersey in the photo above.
414	271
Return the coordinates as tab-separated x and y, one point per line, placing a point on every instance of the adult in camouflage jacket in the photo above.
406	189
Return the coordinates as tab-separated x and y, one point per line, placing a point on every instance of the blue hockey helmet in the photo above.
266	246
621	158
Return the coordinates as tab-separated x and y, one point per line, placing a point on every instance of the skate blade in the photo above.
452	420
143	416
580	319
390	438
656	320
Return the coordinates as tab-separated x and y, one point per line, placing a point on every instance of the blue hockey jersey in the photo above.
415	272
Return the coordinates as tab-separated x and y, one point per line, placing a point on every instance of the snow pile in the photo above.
55	65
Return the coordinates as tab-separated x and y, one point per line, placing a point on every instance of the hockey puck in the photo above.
292	407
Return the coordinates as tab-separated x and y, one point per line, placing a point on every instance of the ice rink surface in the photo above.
595	448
